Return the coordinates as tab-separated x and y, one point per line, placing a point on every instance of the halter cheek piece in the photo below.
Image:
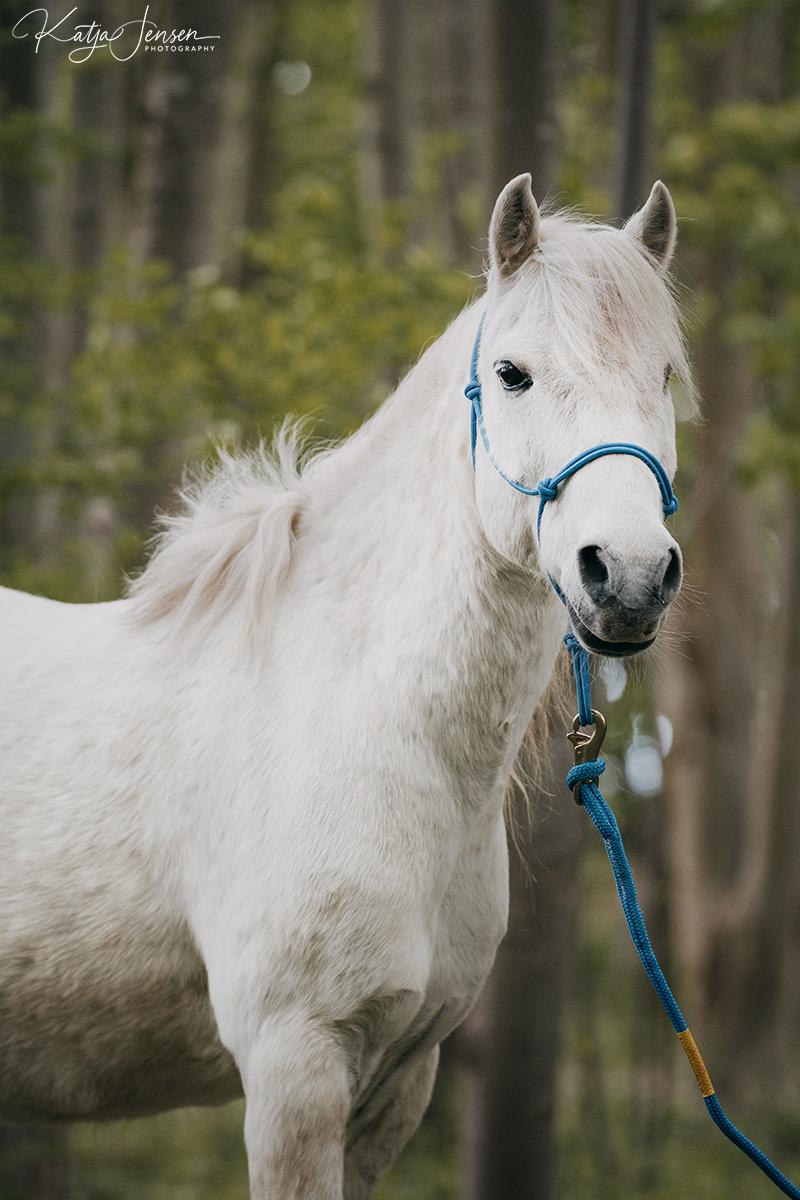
586	736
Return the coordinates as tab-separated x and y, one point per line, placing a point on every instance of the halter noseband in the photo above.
547	488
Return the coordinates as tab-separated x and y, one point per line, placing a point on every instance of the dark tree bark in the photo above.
99	110
34	1164
455	44
56	326
265	28
760	960
520	76
18	223
147	104
387	152
635	103
193	185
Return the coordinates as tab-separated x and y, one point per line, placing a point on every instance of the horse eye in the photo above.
512	379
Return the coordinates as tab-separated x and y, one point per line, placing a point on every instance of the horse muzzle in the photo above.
622	604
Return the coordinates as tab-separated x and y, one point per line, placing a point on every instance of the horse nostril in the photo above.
671	581
594	573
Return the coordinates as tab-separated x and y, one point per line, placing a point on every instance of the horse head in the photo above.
579	340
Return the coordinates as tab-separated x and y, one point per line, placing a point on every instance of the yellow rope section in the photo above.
696	1061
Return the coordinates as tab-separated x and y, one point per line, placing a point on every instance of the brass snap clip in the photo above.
586	742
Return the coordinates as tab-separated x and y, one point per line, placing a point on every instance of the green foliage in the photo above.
323	324
196	1154
323	331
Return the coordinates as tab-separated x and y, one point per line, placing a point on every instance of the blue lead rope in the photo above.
583	778
580	669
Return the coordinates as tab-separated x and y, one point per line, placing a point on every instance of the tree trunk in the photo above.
191	227
517	1024
18	223
265	26
455	38
635	101
57	325
386	160
759	958
520	69
34	1164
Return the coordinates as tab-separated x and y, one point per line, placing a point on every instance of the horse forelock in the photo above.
600	303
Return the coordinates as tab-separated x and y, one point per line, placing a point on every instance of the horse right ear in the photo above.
655	226
514	228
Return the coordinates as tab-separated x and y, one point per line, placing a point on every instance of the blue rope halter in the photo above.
547	488
587	736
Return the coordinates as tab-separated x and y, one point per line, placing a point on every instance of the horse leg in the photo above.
297	1104
383	1130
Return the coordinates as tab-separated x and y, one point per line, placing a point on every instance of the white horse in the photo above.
252	815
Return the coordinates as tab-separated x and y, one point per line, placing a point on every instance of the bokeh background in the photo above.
193	245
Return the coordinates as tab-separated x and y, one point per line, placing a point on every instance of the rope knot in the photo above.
671	506
473	391
587	772
547	489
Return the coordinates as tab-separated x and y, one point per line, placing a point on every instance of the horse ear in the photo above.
656	225
514	228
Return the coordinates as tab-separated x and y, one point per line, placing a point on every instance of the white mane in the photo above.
232	542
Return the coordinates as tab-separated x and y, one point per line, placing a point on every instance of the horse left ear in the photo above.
656	226
514	228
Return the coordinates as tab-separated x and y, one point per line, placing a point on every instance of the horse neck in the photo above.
466	636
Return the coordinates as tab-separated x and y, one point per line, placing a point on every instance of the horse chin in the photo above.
597	645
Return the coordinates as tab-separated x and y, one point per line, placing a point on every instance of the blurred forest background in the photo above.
193	245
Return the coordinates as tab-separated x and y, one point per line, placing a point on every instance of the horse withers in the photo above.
252	814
